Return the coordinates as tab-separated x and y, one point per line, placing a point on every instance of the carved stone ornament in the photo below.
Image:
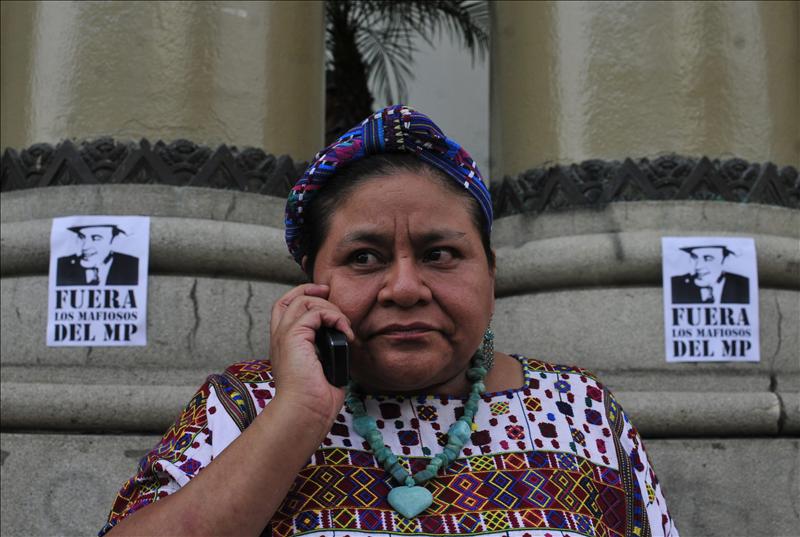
591	183
594	183
180	163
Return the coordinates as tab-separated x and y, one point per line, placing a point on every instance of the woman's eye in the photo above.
364	258
439	255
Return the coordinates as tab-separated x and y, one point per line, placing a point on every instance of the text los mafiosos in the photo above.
84	305
711	322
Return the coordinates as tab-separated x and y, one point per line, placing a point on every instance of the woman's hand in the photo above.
299	378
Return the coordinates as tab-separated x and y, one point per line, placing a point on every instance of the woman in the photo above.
437	433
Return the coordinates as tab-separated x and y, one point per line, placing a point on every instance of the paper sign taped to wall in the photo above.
710	299
97	291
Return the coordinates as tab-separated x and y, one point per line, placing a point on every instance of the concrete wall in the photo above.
164	70
581	287
572	81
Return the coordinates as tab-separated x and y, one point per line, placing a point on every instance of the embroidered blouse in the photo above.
556	457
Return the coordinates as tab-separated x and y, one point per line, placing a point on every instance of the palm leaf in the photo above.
383	34
388	55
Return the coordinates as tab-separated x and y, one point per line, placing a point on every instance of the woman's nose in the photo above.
404	285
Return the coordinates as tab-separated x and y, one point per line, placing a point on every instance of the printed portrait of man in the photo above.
96	263
709	283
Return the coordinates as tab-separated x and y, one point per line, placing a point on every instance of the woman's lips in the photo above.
408	332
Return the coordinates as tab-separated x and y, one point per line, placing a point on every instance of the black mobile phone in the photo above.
334	355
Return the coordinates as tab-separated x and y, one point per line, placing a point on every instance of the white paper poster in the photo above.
97	292
710	299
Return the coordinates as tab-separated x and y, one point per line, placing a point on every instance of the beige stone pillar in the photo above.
243	73
579	80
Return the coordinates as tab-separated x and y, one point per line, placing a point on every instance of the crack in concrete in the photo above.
782	415
231	207
619	251
192	336
773	377
250	323
780	338
793	479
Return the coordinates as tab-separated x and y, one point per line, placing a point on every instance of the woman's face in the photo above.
405	263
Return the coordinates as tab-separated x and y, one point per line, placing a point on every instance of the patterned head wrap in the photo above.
395	129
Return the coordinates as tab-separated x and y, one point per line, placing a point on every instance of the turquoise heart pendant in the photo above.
410	501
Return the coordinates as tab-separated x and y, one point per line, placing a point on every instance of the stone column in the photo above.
85	85
614	124
240	73
608	80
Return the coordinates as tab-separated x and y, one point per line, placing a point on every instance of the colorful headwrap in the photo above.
395	129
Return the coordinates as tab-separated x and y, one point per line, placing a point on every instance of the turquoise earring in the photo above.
487	348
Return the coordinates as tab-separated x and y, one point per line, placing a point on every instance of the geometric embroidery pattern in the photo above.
556	456
533	404
498	408
488	499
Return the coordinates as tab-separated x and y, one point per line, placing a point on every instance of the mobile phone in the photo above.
334	355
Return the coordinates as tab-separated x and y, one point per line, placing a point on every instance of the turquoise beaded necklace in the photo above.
412	499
